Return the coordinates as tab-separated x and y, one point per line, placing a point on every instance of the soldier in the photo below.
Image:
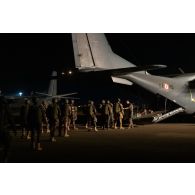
109	114
61	119
24	116
5	120
92	115
43	107
66	112
129	113
119	113
53	114
35	117
103	118
73	114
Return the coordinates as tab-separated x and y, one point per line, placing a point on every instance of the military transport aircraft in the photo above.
92	52
52	90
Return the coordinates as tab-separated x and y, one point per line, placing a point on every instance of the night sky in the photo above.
28	59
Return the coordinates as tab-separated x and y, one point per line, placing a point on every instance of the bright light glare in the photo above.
69	72
20	93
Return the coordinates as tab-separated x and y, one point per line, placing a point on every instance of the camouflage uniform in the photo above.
129	113
109	114
66	117
73	114
35	117
24	119
119	113
92	115
43	107
103	118
53	114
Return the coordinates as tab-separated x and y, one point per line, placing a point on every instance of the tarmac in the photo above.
151	143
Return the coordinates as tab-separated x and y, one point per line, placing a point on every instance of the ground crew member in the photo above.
129	113
35	117
53	115
24	119
73	114
119	113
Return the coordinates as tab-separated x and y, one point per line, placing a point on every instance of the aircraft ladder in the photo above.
159	118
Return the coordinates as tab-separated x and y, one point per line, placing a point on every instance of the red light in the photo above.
166	86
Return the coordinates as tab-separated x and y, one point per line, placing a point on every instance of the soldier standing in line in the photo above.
5	120
24	116
119	113
109	114
92	115
103	118
66	115
111	117
53	114
86	112
43	107
61	118
35	117
73	115
129	113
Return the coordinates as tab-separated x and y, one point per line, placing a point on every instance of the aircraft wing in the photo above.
66	94
123	71
43	94
56	96
72	98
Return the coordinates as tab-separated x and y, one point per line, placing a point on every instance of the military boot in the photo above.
39	147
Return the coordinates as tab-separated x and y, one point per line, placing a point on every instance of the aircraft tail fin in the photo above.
92	52
52	90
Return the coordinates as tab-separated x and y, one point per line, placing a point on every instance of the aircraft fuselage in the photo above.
175	89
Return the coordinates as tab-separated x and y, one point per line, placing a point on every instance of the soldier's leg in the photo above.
47	126
86	125
23	131
95	123
42	130
60	128
89	119
69	123
103	122
121	121
33	145
116	120
39	148
52	126
131	123
74	123
28	133
66	127
108	121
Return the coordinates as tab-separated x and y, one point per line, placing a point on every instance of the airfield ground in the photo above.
144	143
